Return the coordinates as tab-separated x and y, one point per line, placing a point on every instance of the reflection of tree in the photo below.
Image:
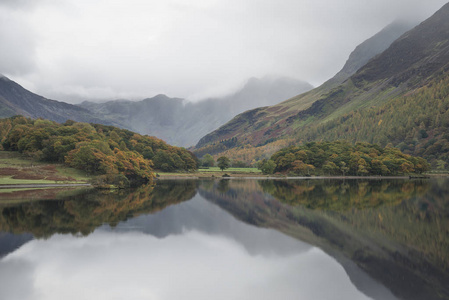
83	213
343	195
223	186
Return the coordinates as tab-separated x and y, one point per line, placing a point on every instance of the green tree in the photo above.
208	160
330	168
223	163
343	168
268	166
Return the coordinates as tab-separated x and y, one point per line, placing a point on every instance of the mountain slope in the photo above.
183	124
15	100
417	59
372	47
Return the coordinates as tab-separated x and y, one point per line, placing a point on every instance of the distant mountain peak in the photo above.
161	97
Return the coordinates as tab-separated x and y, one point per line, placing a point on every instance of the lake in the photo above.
228	239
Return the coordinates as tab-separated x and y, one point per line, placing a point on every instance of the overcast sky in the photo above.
107	49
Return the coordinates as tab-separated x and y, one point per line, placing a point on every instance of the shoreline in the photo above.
43	185
239	176
258	177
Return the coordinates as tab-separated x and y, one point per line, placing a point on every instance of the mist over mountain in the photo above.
399	97
372	47
357	59
15	100
183	123
172	119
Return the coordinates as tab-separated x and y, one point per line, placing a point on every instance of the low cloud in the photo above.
17	44
111	49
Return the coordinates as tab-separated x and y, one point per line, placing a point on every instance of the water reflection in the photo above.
207	254
89	209
397	231
351	239
342	195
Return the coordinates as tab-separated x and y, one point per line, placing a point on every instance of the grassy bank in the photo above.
215	172
16	168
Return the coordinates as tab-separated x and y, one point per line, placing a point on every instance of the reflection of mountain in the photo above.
395	231
85	212
202	216
403	245
10	242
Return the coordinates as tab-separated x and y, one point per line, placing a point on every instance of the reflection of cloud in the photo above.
17	279
193	265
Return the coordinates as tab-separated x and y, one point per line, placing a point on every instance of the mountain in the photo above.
183	123
15	100
171	119
405	85
372	47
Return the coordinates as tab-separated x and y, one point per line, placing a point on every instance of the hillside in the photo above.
120	156
370	48
418	61
16	100
183	123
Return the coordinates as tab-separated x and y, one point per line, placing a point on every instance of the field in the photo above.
18	169
230	170
215	172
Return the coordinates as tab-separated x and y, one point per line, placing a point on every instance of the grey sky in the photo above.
105	49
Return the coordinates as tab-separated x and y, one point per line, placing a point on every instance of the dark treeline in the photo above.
343	158
120	155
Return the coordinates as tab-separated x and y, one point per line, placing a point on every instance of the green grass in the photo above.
214	172
79	175
231	170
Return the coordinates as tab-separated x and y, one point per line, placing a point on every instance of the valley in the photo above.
224	150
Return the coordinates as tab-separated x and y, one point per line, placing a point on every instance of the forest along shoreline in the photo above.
17	171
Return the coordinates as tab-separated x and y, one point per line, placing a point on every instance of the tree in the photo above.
223	163
208	160
330	168
267	166
343	168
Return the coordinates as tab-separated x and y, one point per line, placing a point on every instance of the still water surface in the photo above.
229	239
